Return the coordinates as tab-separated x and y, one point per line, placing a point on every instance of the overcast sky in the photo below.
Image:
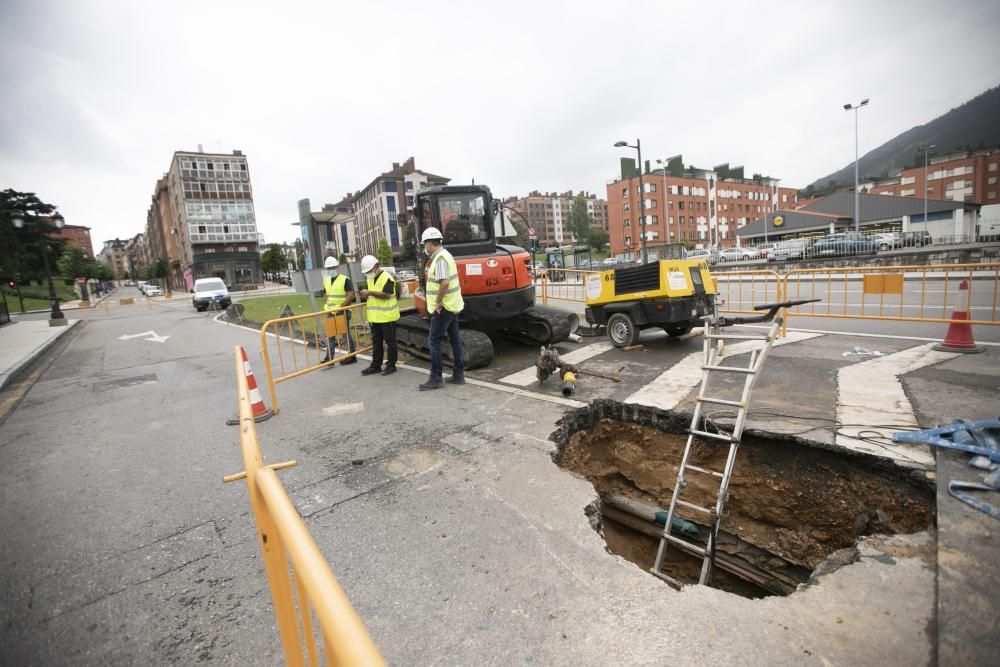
323	96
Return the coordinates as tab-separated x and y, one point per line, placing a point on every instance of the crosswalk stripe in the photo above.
525	377
674	384
870	393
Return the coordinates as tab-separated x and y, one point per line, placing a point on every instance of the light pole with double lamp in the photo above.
642	217
666	201
56	318
855	107
926	150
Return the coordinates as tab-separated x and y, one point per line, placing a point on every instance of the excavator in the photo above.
495	278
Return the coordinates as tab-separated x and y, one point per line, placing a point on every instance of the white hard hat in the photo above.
368	263
331	262
431	234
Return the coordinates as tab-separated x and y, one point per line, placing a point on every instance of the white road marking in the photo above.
870	393
866	335
153	336
527	376
674	384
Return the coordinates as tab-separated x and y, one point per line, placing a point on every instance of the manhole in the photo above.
793	505
122	383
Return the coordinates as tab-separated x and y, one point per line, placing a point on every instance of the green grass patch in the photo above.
36	297
263	308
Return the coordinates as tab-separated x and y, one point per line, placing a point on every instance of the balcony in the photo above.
249	256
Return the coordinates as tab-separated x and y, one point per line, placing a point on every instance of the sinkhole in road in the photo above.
794	508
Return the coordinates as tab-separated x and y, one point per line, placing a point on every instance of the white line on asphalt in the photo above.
526	377
674	384
870	393
865	335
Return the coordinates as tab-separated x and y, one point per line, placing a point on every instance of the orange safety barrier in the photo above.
284	540
300	342
740	291
564	285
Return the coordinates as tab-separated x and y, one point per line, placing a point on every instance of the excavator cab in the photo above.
463	213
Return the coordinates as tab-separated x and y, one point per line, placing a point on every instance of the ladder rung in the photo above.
667	578
736	337
684	543
729	369
716	436
721	401
692	506
704	471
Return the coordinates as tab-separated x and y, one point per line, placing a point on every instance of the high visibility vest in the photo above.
381	311
335	292
452	300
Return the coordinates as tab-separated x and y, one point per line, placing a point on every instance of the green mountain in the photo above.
975	124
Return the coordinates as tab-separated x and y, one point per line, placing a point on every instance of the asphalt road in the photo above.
457	539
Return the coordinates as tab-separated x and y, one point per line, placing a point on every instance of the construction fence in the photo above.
303	588
917	293
296	345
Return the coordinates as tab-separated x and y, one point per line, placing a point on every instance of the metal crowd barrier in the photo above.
564	284
284	540
299	342
917	293
740	291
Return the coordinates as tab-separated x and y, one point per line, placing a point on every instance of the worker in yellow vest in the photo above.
383	311
339	292
444	303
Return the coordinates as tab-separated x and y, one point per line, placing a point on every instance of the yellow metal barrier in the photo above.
305	336
284	539
896	293
565	285
740	291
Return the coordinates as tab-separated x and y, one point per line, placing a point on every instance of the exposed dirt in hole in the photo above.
787	497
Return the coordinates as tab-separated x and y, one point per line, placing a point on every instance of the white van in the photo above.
210	293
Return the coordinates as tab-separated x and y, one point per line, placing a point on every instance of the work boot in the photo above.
389	370
456	379
371	370
349	360
432	383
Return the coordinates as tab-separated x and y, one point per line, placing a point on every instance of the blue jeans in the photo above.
331	343
442	324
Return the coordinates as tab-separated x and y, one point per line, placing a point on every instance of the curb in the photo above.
5	378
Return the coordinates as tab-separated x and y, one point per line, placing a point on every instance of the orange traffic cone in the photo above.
959	337
260	411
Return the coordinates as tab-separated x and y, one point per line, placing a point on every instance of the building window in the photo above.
389	186
624	192
991	180
409	186
991	195
993	166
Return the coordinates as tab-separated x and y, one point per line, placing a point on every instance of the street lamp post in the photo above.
56	318
855	107
642	217
666	200
927	152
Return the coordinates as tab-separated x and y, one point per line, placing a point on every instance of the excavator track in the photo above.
544	325
411	334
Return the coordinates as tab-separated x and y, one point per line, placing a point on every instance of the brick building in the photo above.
113	254
965	176
77	236
700	207
548	214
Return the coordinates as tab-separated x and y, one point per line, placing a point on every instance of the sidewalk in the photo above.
21	342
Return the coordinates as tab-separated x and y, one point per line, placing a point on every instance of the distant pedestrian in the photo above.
383	311
444	303
339	292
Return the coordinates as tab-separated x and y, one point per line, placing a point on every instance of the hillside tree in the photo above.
580	220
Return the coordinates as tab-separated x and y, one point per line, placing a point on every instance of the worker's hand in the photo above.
364	294
438	310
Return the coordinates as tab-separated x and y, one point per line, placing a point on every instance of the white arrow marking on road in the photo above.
153	336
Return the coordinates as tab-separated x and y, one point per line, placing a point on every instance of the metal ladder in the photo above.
713	350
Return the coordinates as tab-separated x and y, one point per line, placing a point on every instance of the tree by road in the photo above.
580	221
383	253
273	260
21	249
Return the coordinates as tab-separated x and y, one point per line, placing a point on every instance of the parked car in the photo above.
710	255
790	249
764	249
210	293
843	243
887	240
917	239
738	254
405	274
152	290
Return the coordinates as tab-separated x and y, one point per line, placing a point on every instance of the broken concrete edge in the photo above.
671	421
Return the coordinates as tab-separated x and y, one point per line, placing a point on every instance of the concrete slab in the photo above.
22	341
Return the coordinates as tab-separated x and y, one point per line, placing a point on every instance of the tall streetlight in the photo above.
642	217
926	150
666	201
56	319
855	107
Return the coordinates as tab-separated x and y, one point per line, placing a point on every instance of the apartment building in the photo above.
207	222
113	254
135	252
963	176
77	236
699	207
548	214
377	206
